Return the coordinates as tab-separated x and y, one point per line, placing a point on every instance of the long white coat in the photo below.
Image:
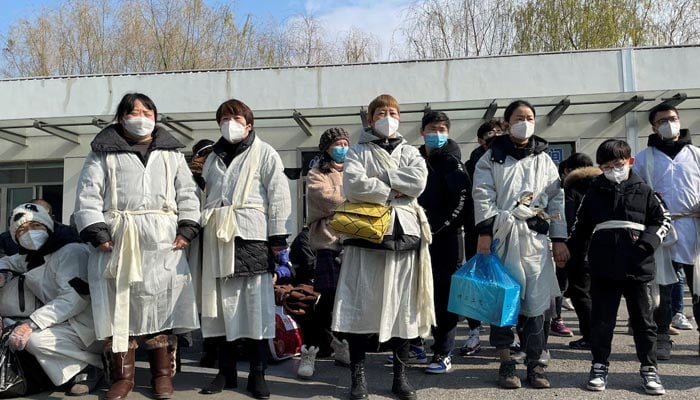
378	290
164	298
245	305
65	320
525	253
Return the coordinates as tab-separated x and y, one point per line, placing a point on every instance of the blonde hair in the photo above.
383	100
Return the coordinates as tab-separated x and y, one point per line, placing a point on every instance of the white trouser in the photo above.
61	353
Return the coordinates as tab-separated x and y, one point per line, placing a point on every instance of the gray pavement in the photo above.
472	377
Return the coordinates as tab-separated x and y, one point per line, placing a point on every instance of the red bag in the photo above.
287	341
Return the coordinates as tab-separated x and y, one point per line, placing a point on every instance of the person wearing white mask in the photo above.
136	204
518	199
671	166
445	199
60	333
246	219
620	223
385	287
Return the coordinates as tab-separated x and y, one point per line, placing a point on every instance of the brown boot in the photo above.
121	369
161	357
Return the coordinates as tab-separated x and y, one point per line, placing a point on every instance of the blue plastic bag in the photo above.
482	289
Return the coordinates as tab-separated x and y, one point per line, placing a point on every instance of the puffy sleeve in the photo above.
359	187
279	202
484	190
71	280
187	200
412	175
90	193
323	193
555	204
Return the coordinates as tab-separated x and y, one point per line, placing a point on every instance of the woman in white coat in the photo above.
136	204
59	334
519	200
385	288
246	216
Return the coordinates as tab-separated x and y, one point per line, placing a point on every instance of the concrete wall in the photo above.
340	89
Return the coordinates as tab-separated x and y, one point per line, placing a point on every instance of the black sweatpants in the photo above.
606	296
688	269
446	255
579	291
531	331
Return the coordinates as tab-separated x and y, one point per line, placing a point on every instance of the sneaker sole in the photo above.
469	352
437	372
655	392
595	388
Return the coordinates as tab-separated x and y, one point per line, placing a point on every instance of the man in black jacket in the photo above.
445	197
625	222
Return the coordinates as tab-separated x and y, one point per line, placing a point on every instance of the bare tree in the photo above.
358	46
674	22
306	41
458	28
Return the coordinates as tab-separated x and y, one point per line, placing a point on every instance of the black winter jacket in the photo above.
620	254
447	191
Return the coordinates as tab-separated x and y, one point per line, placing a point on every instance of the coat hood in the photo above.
368	135
683	139
502	146
110	139
581	174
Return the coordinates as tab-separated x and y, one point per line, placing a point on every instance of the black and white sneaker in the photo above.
651	381
597	378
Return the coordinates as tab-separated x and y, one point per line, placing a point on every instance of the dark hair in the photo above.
487	127
235	107
562	166
578	160
204	144
659	108
435	117
612	149
44	204
126	106
514	105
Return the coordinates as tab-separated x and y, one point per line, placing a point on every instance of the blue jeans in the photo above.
677	291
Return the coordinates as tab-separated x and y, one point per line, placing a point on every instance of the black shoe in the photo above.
401	387
257	385
580	344
222	380
358	390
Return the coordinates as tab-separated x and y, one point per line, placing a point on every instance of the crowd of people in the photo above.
160	248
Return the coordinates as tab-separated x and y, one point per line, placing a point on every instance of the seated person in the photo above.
59	334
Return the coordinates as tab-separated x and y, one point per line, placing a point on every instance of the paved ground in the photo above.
473	377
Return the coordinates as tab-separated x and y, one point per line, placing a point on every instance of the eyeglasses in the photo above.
663	120
617	165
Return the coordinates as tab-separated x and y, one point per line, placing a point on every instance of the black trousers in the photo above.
606	296
688	269
664	312
445	254
316	328
579	291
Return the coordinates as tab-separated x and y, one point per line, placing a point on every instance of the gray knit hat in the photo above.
330	136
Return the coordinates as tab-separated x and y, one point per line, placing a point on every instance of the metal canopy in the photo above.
74	128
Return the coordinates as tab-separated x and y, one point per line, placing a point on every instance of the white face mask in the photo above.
33	239
139	126
669	130
522	129
618	174
386	126
233	131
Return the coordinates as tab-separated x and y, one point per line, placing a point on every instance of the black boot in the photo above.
358	390
256	378
401	387
227	375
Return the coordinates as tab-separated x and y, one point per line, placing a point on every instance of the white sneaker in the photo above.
473	343
341	352
308	359
679	321
567	304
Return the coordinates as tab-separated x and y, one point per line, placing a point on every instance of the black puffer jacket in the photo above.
447	192
576	185
620	254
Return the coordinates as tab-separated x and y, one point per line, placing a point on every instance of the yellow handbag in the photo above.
362	221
